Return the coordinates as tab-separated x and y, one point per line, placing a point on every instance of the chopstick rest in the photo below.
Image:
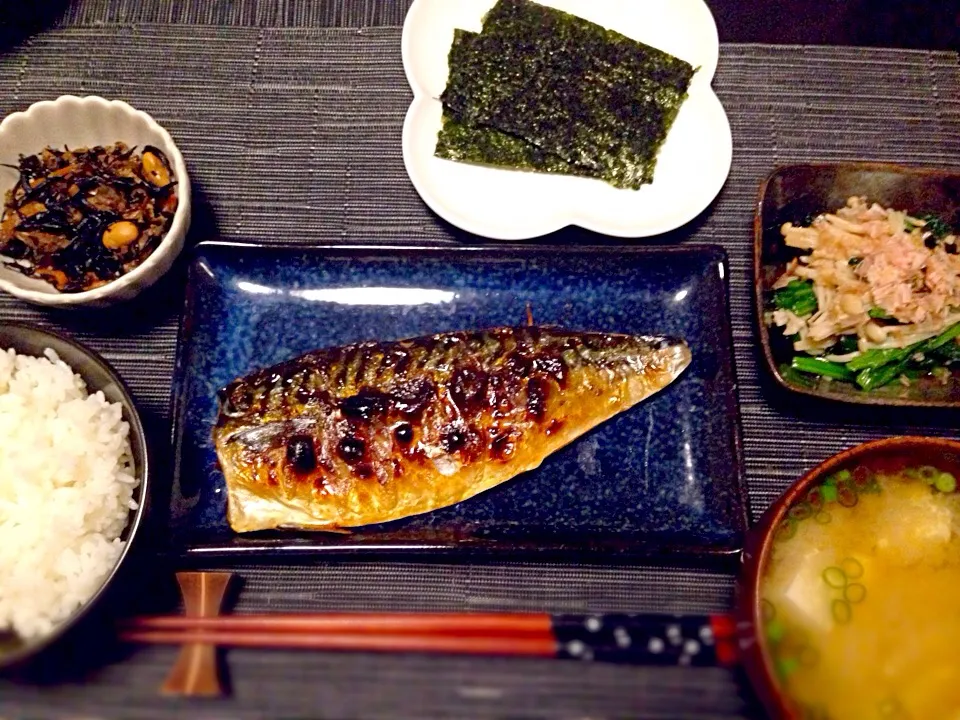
196	671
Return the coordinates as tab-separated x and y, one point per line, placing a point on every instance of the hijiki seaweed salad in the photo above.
80	218
540	89
873	298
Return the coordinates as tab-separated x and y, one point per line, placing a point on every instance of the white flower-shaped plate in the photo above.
512	205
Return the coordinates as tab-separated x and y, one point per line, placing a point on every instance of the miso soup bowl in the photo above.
752	652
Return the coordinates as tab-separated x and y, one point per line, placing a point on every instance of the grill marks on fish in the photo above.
301	454
485	372
349	427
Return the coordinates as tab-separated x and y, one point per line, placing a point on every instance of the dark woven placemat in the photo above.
291	130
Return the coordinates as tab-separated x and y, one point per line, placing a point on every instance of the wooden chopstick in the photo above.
529	646
634	638
459	624
517	634
627	638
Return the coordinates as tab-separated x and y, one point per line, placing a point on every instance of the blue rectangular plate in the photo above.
662	479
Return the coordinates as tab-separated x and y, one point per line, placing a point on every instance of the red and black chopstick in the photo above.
643	639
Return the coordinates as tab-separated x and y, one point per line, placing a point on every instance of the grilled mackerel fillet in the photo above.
371	432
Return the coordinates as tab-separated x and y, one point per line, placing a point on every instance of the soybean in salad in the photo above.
81	218
873	296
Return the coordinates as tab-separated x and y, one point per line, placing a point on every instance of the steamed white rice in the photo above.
66	488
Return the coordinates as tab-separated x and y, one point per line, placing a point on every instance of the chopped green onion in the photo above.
830	493
847	496
927	473
945	483
878	313
775	631
786	529
835	577
854	593
872	487
798	297
819	366
841	611
852	567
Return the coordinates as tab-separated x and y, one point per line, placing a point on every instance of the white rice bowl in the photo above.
66	489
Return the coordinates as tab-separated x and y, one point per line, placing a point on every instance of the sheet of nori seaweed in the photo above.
591	96
519	17
488	146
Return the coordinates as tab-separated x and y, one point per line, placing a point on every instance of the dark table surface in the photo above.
218	75
920	24
924	24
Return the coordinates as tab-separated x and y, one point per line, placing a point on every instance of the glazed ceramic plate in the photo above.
509	205
794	193
664	477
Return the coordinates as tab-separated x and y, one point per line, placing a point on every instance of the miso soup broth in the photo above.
861	597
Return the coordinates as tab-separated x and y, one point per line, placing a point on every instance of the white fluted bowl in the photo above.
85	122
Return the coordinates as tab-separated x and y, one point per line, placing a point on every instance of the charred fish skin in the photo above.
372	432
